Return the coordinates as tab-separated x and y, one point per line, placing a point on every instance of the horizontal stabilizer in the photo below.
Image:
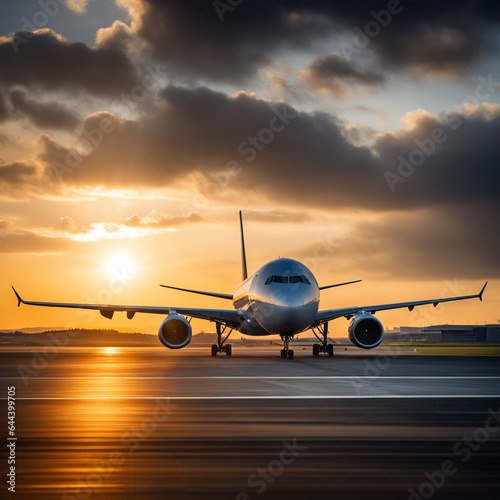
339	284
211	294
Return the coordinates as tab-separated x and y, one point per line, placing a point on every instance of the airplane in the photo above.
280	298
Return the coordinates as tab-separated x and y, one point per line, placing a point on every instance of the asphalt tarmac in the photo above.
133	423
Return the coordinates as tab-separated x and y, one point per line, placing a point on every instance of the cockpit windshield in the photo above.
287	279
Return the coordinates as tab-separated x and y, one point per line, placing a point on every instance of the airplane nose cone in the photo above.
287	299
284	312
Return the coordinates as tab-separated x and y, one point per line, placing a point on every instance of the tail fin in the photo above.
243	253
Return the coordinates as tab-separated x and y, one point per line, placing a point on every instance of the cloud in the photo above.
335	75
4	111
23	179
132	227
51	115
78	6
45	60
176	142
458	168
23	241
278	216
436	222
308	162
446	45
191	38
120	38
426	244
157	221
432	40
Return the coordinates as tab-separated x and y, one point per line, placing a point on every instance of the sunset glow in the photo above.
132	132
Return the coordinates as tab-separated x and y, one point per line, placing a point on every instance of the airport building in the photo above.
446	333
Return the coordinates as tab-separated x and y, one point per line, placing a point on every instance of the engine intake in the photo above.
365	330
175	332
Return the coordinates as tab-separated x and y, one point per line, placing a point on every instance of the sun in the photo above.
121	264
109	350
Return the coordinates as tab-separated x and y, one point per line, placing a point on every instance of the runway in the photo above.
152	423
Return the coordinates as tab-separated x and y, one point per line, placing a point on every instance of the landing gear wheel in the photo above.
321	333
220	347
283	354
290	354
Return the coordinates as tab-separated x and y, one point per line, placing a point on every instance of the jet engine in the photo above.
175	331
365	330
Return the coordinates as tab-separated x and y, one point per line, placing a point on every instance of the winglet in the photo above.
480	295
19	299
243	253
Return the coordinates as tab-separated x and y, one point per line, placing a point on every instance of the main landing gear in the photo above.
285	352
324	346
220	347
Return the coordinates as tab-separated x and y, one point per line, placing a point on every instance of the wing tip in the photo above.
480	295
19	299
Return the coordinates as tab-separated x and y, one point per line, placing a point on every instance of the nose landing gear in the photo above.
285	352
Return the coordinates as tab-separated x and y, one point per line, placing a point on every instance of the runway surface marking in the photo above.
328	396
253	377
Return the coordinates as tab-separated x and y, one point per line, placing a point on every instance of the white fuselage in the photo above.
280	298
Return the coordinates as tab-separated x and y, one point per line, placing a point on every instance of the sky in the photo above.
361	138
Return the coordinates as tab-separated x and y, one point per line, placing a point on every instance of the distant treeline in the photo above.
78	337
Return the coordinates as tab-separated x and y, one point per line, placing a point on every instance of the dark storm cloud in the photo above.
4	111
192	38
43	114
48	61
338	76
202	131
431	37
307	161
444	160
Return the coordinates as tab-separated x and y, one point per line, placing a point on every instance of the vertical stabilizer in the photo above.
243	253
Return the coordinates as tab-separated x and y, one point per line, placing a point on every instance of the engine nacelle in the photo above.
175	332
365	330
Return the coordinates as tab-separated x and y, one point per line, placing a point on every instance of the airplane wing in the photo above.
230	317
348	312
